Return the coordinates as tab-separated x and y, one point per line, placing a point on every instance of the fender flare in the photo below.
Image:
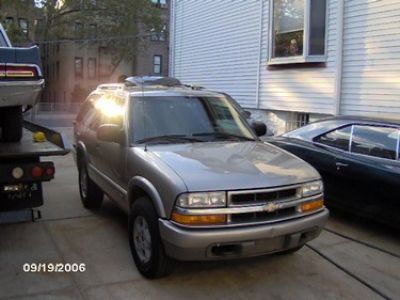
151	191
80	147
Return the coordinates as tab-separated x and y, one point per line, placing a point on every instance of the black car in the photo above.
359	161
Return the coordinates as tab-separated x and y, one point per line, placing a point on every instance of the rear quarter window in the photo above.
375	141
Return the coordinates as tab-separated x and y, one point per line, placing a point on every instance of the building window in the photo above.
8	21
78	67
92	31
159	3
159	36
296	120
157	61
298	31
23	25
92	68
78	30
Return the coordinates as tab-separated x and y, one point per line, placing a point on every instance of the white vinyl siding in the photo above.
371	58
215	44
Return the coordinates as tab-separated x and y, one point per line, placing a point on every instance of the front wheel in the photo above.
145	241
12	123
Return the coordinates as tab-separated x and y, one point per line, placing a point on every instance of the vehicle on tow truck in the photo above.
21	82
23	144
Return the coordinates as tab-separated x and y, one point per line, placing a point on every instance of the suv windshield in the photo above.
180	119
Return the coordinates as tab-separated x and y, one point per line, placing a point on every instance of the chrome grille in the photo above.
262	197
237	199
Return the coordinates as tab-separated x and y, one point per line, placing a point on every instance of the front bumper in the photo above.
213	244
17	93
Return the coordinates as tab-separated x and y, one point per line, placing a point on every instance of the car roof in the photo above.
363	119
317	128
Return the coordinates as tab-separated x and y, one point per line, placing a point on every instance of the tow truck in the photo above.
23	144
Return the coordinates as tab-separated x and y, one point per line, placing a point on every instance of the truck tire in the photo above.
145	241
91	195
12	123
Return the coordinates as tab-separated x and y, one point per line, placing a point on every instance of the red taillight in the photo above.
21	71
50	171
36	172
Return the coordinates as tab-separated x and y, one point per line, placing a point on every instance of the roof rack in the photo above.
111	86
142	81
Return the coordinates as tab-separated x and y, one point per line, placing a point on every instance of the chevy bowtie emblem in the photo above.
271	207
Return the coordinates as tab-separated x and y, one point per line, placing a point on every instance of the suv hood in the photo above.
233	165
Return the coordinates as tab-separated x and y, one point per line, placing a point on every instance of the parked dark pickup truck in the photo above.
21	82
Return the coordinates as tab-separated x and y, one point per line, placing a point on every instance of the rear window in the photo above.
339	138
375	141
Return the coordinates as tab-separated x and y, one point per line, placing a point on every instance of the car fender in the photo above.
151	191
80	149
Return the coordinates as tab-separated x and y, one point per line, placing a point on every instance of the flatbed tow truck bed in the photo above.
22	172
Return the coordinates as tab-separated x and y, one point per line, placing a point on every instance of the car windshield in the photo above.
187	119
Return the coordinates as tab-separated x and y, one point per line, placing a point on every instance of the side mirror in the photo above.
247	114
109	133
259	128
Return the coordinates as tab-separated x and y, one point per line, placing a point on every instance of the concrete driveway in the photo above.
352	259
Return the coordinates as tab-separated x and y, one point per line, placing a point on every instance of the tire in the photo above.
291	251
145	241
12	122
91	195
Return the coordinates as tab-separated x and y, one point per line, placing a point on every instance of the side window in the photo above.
339	138
375	141
3	42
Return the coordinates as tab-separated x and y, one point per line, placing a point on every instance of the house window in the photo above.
157	60
23	25
78	67
296	120
92	68
298	31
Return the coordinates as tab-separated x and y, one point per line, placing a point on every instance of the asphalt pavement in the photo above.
352	259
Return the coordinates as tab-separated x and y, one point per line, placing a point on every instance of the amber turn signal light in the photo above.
198	220
312	205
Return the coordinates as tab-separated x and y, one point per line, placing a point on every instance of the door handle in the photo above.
341	165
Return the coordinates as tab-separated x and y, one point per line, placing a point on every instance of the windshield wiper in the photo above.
224	135
169	138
